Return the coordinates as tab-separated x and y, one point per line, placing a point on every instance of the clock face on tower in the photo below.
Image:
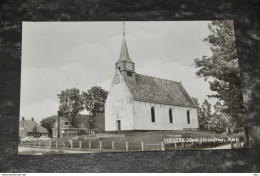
129	66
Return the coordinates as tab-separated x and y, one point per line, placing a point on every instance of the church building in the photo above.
139	102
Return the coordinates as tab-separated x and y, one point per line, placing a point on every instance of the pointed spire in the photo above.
124	55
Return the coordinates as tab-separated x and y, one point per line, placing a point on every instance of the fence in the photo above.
96	145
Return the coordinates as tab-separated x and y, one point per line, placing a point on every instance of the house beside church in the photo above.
31	128
80	126
139	102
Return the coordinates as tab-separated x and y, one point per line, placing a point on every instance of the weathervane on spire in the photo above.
123	29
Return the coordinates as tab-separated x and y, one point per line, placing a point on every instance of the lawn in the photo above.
37	152
134	141
138	141
151	140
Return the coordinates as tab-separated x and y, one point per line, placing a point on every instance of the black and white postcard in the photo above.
89	87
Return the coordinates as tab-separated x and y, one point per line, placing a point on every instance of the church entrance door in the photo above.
118	130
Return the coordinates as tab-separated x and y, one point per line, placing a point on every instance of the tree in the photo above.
222	66
71	103
48	123
216	121
205	115
34	131
219	120
94	100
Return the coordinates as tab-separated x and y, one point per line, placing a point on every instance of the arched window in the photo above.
170	115
153	114
188	117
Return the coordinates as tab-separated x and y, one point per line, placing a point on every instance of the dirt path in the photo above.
43	150
228	146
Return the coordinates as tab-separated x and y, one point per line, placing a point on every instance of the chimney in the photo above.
32	119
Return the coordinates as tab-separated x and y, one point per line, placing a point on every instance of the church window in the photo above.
188	117
129	74
153	114
170	115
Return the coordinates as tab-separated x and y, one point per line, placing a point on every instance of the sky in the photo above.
61	55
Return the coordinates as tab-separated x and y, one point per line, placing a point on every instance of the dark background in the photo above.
246	20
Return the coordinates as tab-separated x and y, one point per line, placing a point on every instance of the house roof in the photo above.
124	55
28	126
157	90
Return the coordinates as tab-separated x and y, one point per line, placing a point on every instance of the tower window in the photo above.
152	114
119	68
129	74
170	115
188	117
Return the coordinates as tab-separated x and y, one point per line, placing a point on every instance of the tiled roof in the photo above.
157	90
28	126
124	55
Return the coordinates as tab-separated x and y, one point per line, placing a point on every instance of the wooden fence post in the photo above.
142	145
71	144
80	144
34	143
238	142
45	144
175	145
163	148
100	145
56	144
113	145
126	145
63	143
182	144
89	145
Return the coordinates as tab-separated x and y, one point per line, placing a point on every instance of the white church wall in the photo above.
143	120
119	107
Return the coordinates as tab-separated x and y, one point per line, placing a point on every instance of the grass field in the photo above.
151	136
132	141
151	139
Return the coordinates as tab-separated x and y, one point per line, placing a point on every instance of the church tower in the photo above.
124	64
